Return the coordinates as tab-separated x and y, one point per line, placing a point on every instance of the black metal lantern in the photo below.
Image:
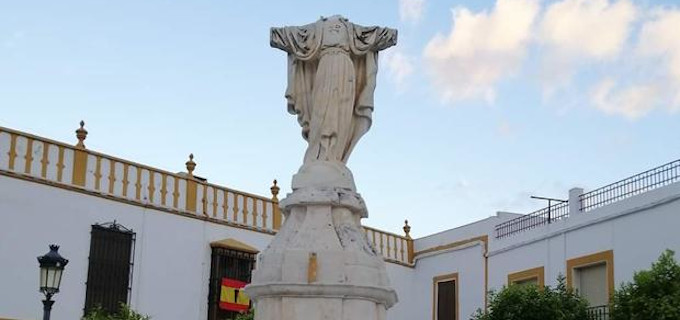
51	268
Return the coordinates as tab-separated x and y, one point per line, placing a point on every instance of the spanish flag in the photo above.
232	296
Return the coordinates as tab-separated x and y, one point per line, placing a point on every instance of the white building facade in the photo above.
175	237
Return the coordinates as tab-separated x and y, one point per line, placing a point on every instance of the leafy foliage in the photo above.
250	315
530	302
653	294
123	313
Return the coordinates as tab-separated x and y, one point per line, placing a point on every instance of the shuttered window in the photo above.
109	273
591	282
231	264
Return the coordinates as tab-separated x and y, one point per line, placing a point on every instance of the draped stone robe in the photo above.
332	67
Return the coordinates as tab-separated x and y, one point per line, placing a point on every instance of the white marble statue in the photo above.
332	66
320	264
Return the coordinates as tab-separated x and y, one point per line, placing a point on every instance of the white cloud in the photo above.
575	32
399	65
481	49
587	28
632	102
411	10
659	40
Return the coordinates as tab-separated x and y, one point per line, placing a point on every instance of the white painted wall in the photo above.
172	253
637	229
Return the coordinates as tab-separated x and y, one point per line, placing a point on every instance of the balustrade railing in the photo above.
78	168
392	247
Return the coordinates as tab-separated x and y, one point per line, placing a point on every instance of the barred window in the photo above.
227	265
109	273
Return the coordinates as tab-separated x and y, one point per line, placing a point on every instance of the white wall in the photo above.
637	229
172	253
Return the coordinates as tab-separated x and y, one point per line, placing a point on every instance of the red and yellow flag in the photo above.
232	296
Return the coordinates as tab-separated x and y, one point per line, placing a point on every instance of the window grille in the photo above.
109	273
227	263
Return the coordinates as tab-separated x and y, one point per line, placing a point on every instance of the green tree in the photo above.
530	302
654	294
123	313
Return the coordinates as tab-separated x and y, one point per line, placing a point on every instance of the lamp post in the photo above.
51	267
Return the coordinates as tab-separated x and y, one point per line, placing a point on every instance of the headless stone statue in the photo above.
320	264
332	66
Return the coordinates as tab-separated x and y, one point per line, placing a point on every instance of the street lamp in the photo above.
51	267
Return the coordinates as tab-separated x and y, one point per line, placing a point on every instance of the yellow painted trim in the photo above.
79	167
98	174
485	243
534	273
12	150
60	164
175	193
264	215
235	208
583	261
112	176
244	210
125	181
138	184
234	244
191	190
29	156
444	278
131	202
215	200
164	188
152	185
411	252
204	201
451	245
45	160
255	212
225	205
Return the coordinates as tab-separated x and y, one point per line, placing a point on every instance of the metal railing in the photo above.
598	313
626	188
532	220
640	183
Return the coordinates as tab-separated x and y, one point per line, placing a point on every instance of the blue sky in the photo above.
480	105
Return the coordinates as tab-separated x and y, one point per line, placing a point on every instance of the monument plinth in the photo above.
320	265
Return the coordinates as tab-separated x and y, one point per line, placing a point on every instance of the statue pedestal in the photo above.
320	265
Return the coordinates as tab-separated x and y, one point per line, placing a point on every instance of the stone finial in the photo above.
275	191
191	165
81	134
407	229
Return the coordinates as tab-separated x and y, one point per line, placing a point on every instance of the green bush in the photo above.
123	313
654	294
250	315
530	302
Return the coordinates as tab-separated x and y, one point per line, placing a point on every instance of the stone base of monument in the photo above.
320	265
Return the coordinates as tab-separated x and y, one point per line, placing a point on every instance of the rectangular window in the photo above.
109	273
229	270
446	297
593	277
591	283
535	276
